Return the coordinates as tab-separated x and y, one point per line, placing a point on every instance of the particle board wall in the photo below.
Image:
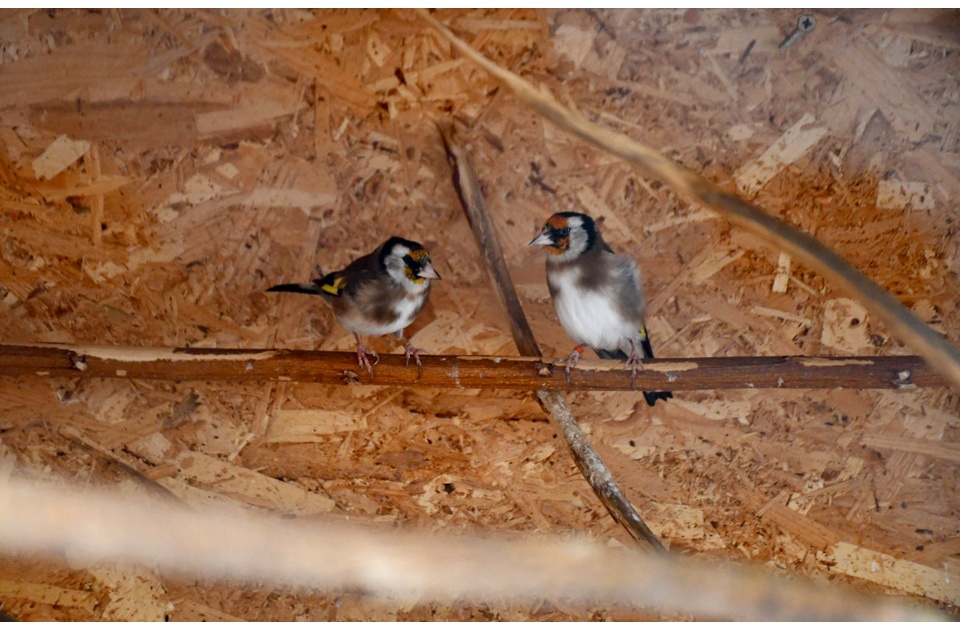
159	169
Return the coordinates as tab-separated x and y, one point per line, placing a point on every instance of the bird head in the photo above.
567	235
407	261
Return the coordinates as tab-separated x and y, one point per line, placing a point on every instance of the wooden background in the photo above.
160	169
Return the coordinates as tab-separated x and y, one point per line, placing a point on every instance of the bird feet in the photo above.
362	357
572	359
635	364
410	351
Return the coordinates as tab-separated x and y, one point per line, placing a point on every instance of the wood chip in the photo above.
845	326
310	425
888	571
249	486
782	276
47	594
943	450
901	195
60	155
790	147
250	116
135	594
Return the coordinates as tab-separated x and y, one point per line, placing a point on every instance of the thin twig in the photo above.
596	472
471	198
588	461
928	343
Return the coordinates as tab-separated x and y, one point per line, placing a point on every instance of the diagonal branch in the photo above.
588	461
471	197
940	353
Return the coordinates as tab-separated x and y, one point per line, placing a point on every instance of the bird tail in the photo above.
650	397
653	397
331	284
611	354
310	288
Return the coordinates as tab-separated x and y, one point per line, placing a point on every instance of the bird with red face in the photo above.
597	294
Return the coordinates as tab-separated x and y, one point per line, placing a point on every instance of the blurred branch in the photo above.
94	527
940	353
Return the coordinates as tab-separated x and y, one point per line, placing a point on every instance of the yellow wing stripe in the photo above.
336	287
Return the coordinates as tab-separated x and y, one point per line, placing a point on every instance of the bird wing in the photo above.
627	289
352	279
631	301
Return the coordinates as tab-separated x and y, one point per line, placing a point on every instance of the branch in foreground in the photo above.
930	344
454	372
97	527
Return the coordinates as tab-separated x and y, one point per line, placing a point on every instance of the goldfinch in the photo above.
597	294
377	294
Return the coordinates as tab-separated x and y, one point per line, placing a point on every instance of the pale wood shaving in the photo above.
899	195
887	570
788	148
845	326
135	594
307	425
58	156
947	451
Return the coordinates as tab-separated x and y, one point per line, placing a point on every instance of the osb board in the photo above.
160	169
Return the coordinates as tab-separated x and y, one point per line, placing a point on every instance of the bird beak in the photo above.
427	271
543	238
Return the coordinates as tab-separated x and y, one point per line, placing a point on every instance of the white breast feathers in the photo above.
588	315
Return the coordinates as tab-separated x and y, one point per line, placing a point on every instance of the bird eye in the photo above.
565	231
408	260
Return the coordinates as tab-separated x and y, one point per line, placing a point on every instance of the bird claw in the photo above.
364	361
572	359
410	351
635	364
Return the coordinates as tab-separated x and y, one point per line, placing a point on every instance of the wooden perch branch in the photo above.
448	371
588	461
928	343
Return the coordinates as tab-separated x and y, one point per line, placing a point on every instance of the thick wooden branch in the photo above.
448	371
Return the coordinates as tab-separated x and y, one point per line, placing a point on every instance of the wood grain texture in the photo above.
466	372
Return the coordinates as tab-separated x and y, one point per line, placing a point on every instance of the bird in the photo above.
597	294
377	294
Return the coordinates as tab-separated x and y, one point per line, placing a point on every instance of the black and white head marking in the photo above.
407	263
567	235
